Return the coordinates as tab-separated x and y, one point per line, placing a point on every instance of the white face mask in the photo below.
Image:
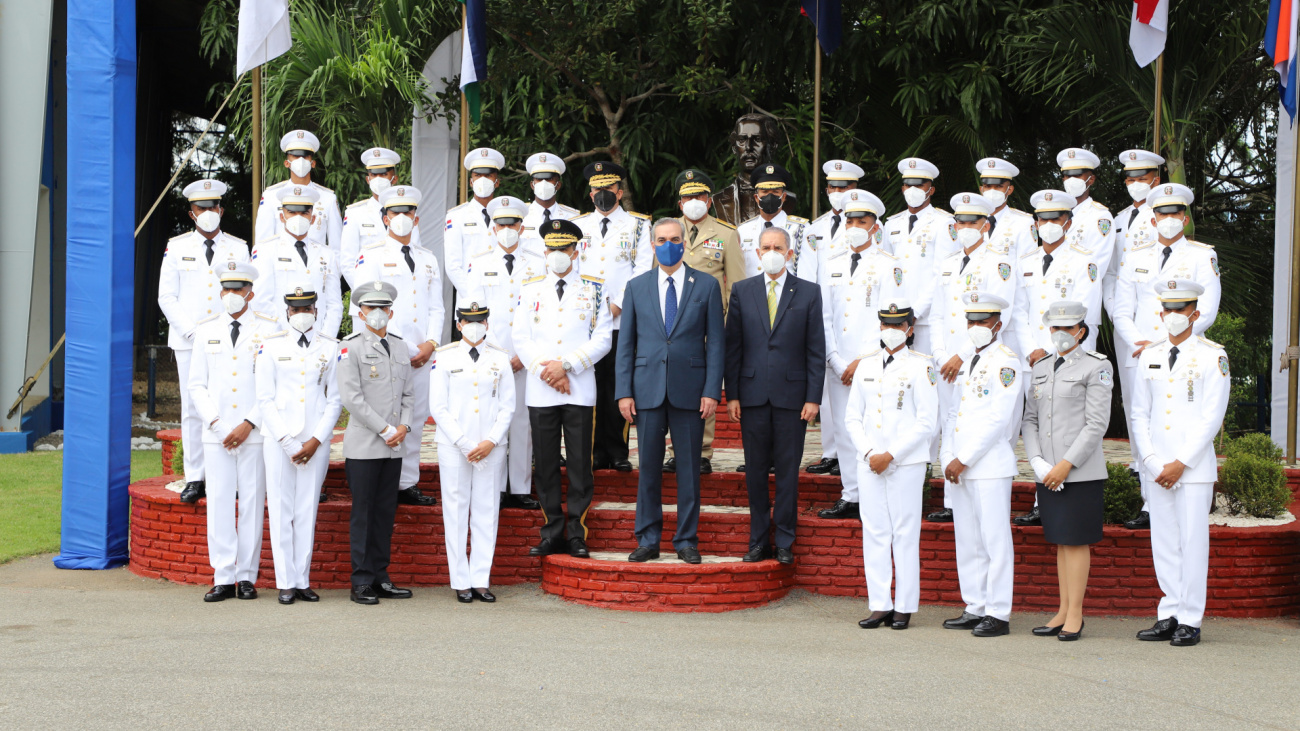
1050	233
773	262
544	190
980	335
1076	186
302	322
233	302
208	221
474	332
300	166
855	237
914	196
1063	341
559	262
379	185
968	237
507	237
1176	323
377	319
995	196
892	338
484	187
297	226
694	210
401	224
836	199
1138	191
1170	227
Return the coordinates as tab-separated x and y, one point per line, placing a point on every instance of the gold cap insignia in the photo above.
893	308
770	170
230	266
599	167
690	175
297	291
974	297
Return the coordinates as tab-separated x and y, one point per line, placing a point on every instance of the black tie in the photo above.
1173	356
210	251
973	361
302	340
993	223
559	289
385	344
911	221
1047	262
835	224
1060	360
234	332
888	360
767	224
1168	250
486	221
1131	217
510	263
964	261
695	231
546	216
302	251
406	252
853	261
604	227
473	354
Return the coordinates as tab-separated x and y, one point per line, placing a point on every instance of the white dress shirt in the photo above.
678	277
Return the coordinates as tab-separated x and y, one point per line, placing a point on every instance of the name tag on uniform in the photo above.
868	380
530	228
391	264
489	274
467	224
1140	271
837	274
367	225
286	259
370	356
1154	366
187	258
284	358
947	274
1029	274
458	370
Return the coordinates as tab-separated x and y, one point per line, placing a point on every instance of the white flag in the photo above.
1146	34
263	33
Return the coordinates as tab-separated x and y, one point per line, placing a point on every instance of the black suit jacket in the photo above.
782	363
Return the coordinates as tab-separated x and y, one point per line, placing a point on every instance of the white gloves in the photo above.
291	447
1041	467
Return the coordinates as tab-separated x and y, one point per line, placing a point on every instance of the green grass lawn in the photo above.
30	499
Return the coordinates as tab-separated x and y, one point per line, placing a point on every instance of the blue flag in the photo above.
825	16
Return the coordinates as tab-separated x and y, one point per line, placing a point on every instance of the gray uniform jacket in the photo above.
377	390
1067	411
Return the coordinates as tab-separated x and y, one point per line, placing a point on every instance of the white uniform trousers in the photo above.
1180	547
191	422
947	392
411	444
891	524
235	549
1128	382
471	501
292	496
519	447
837	401
981	513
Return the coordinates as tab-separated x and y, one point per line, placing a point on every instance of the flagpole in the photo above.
257	142
1160	76
464	108
1293	342
817	127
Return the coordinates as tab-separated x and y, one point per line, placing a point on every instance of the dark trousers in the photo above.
611	427
687	428
772	436
374	484
547	423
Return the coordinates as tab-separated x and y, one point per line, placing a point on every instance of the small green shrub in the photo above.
178	459
345	327
1255	486
1256	444
1123	493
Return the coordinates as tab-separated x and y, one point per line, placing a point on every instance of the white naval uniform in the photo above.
362	222
298	400
279	264
1014	231
850	302
1134	225
548	328
892	408
931	239
493	286
827	243
326	230
224	388
1176	414
468	229
533	220
1071	275
472	401
418	315
622	253
804	262
978	429
1095	229
188	292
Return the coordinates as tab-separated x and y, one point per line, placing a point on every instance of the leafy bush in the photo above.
1123	493
1255	486
178	459
1256	444
345	327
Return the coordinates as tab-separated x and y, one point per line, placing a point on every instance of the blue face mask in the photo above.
669	253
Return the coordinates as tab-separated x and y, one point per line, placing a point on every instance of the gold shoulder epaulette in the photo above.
361	202
1199	245
1145	245
233	238
1035	252
206	320
755	218
279	334
497	348
869	353
581	215
900	214
797	219
448	346
327	190
927	356
641	216
824	215
535	279
265	316
179	236
886	254
731	226
940	210
1081	250
1007	350
589	278
568	208
1209	342
380	242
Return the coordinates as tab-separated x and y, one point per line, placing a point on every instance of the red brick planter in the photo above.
666	587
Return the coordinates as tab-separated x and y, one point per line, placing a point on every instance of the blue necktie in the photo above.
670	307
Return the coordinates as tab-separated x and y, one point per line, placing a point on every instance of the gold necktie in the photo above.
771	304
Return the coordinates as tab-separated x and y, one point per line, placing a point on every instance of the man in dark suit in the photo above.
671	322
776	365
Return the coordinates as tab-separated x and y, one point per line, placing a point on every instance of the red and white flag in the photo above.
1147	34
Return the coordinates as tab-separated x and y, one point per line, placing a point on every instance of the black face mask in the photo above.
769	204
605	200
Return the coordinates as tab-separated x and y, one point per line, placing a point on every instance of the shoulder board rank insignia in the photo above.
353	336
448	346
731	226
1199	245
323	188
581	215
1209	342
375	245
236	239
919	354
265	316
276	335
1008	351
326	338
594	280
180	236
641	216
797	219
1079	248
535	279
1031	254
1097	355
940	210
361	202
394	335
497	348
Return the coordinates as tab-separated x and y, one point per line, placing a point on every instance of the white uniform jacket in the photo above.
467	230
1072	275
576	329
930	241
188	288
1014	231
223	379
804	262
326	230
296	391
1095	227
1177	412
362	222
894	408
850	302
490	284
978	426
278	264
418	311
471	400
826	242
1137	308
622	253
989	270
535	217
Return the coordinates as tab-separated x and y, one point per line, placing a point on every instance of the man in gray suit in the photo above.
377	388
671	321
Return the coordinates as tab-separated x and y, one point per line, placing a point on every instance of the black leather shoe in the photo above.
992	627
821	466
483	595
876	619
464	597
413	496
1186	636
307	595
965	621
940	516
621	465
193	491
386	590
547	547
835	469
525	502
643	554
1071	636
364	595
670	464
706	466
1031	518
740	467
690	554
842	509
578	548
757	553
247	590
785	556
287	596
901	620
322	497
220	593
1141	522
1047	630
1161	631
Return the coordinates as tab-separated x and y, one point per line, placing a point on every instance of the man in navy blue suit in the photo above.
776	365
668	378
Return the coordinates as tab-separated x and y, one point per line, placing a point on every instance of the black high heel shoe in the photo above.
1046	631
1071	636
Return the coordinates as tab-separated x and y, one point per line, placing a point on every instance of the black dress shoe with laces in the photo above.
578	548
307	595
413	496
621	465
992	627
757	553
842	509
1161	631
834	471
643	554
1033	517
193	491
287	596
524	502
247	590
706	466
670	464
547	547
940	516
220	593
901	620
784	556
464	597
483	595
1186	636
965	621
876	619
386	590
821	466
364	595
690	554
1141	522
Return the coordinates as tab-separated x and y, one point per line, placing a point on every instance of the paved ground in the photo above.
109	650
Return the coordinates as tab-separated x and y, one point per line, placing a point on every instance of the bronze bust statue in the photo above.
754	141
